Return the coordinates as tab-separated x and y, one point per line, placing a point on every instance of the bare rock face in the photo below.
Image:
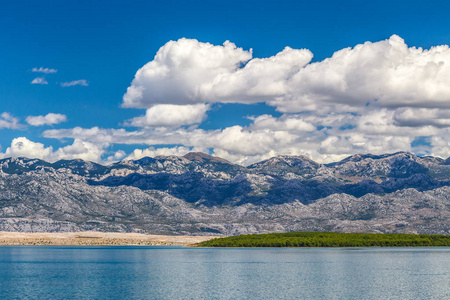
198	194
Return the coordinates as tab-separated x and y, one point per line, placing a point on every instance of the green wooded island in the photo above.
330	239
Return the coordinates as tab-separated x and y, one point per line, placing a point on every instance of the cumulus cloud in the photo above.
8	121
188	71
383	74
164	151
376	97
383	122
80	149
416	117
440	146
39	80
117	156
268	136
261	79
284	123
81	82
241	144
169	115
179	69
23	147
386	74
44	70
49	119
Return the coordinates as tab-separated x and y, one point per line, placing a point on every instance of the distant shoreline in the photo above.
330	239
93	238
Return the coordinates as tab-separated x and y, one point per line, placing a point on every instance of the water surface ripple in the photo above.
128	272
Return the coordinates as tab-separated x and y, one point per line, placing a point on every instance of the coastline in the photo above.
330	239
94	238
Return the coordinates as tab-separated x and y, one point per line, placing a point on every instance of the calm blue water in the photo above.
200	273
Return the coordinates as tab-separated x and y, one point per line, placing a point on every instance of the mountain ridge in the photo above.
202	194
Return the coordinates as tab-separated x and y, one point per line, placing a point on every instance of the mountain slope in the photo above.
202	194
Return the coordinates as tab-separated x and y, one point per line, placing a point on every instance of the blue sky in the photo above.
102	44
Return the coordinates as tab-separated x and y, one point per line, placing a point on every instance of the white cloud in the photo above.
188	71
338	136
81	82
382	122
23	147
373	98
385	74
48	119
39	80
153	152
44	70
237	141
117	156
440	146
416	117
261	79
9	122
284	123
169	115
80	149
179	69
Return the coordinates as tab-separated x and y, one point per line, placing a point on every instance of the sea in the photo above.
169	272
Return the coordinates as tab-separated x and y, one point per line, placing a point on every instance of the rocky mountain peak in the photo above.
19	165
446	162
145	161
400	164
286	165
201	157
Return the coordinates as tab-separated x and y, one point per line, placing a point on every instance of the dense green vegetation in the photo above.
330	239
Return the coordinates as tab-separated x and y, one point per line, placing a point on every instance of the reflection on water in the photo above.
202	273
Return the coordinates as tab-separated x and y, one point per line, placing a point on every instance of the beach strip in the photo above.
95	238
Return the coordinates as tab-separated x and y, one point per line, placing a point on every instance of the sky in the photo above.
244	80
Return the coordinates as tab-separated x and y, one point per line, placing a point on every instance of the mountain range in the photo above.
199	194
